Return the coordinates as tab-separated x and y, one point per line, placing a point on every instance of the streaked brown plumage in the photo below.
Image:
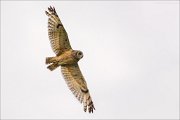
68	59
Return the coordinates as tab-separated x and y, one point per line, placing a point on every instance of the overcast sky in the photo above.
130	63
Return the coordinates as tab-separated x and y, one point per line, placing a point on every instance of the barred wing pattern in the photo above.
57	34
77	85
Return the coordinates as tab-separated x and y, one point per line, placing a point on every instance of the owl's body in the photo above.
68	59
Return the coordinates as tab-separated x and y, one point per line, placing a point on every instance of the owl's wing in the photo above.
77	85
57	34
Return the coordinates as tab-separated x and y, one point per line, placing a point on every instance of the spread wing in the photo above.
77	85
57	34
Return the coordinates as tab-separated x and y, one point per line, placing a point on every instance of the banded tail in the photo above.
49	60
54	64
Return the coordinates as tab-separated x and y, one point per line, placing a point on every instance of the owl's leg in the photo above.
53	66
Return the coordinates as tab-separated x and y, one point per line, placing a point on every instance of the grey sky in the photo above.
131	59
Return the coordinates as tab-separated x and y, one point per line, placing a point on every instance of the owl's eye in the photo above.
79	54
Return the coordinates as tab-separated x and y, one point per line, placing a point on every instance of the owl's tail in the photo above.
54	64
49	60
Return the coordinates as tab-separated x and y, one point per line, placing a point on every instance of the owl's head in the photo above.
78	54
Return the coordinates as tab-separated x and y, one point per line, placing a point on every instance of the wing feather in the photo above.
77	85
57	34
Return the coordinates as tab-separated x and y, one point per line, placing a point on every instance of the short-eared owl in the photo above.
68	59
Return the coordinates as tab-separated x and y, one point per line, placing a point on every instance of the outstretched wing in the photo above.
57	34
77	85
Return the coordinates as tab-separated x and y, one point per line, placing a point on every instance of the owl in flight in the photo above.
68	59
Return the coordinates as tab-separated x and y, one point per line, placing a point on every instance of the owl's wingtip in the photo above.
51	11
91	109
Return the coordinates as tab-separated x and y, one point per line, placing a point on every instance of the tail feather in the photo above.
49	60
53	66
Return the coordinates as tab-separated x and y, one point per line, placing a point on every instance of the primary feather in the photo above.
77	85
57	34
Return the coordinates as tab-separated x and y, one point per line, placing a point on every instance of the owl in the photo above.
67	59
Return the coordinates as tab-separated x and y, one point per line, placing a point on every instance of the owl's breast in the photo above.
67	58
